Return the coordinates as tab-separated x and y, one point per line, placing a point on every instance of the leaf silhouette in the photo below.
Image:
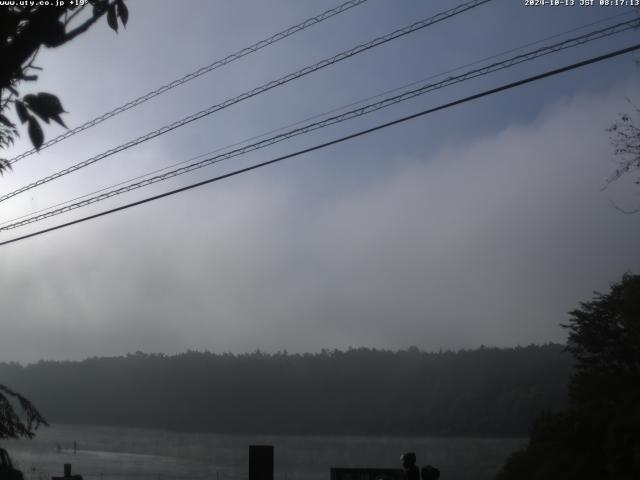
5	121
35	133
50	102
112	18
58	120
4	166
31	101
21	110
45	105
123	12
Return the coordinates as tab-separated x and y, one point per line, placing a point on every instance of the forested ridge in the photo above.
487	391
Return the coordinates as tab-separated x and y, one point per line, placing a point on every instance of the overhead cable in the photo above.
320	115
256	91
387	102
195	74
485	93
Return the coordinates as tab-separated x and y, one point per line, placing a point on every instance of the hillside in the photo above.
487	391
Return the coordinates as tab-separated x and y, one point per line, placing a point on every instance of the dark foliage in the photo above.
604	338
24	29
598	437
625	138
486	391
13	425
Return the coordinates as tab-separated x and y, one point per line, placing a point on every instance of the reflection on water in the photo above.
113	453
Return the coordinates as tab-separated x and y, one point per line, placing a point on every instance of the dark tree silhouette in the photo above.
13	425
24	29
604	338
625	138
598	437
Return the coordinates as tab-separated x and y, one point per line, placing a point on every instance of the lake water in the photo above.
114	453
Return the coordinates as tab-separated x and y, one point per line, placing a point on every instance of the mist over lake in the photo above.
116	453
329	239
194	415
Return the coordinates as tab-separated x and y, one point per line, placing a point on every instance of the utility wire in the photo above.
477	96
320	115
256	91
197	73
510	62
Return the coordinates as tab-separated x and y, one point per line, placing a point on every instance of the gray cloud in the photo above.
487	241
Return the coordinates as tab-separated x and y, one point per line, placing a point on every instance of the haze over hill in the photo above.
487	391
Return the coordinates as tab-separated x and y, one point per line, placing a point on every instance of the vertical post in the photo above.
260	462
67	469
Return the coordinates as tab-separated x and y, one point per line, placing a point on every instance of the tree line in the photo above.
597	436
486	391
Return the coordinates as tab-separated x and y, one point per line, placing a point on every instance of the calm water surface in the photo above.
114	453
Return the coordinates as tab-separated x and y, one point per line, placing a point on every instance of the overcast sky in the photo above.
481	224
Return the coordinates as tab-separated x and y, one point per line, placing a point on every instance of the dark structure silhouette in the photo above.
67	474
429	472
260	462
366	474
409	466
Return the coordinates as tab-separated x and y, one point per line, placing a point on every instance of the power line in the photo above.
256	91
328	112
337	141
313	117
507	63
197	73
